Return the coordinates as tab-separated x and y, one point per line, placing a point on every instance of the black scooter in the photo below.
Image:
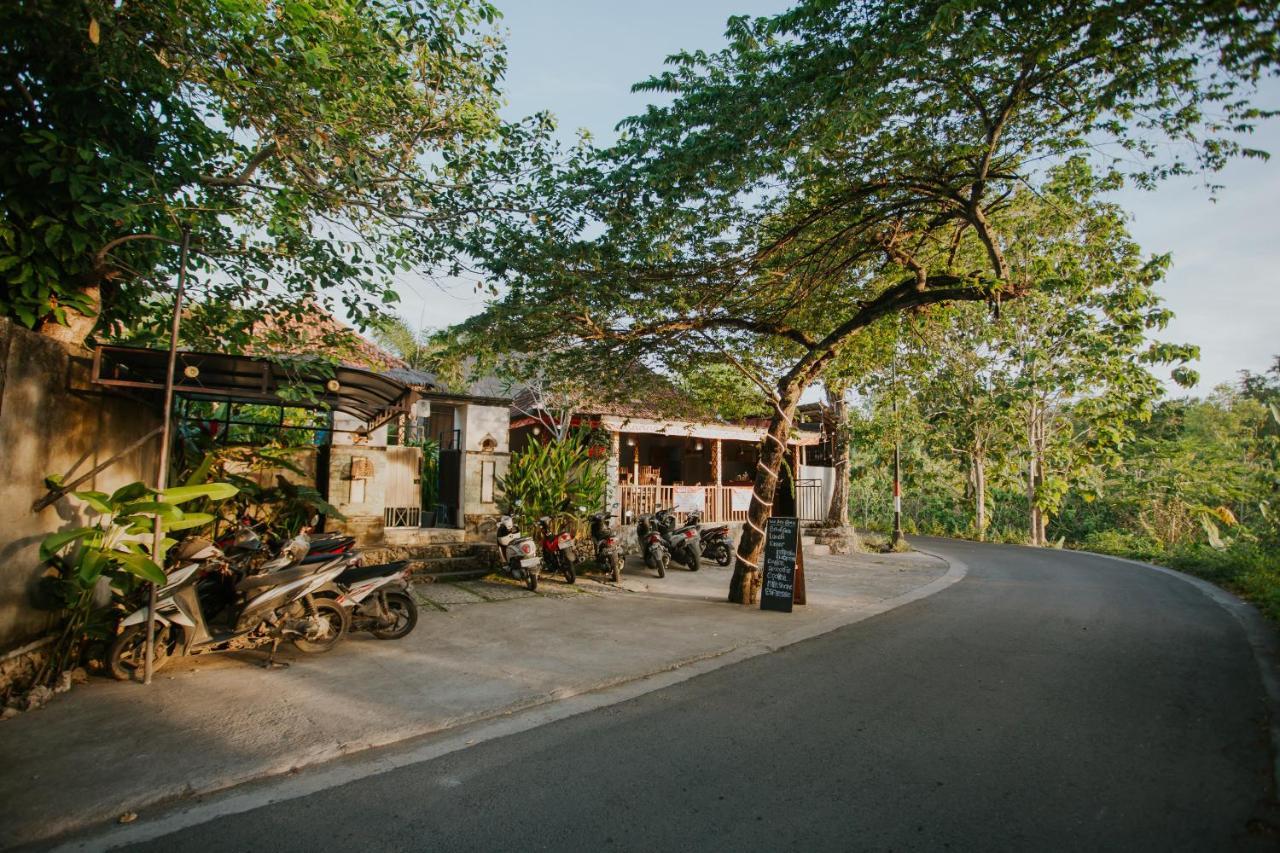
683	541
608	549
653	545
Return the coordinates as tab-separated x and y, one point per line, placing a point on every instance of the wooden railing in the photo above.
716	503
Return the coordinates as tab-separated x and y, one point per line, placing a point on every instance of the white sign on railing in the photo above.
689	499
741	500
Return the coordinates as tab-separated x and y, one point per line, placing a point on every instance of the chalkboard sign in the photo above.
783	565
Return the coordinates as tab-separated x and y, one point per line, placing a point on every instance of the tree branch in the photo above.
242	179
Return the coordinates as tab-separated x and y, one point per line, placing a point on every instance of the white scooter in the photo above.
520	557
206	607
378	598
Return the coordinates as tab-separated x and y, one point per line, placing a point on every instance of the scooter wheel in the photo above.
723	557
531	581
403	611
615	568
337	619
569	575
662	568
126	659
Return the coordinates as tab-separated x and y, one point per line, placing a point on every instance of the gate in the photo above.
809	500
450	487
403	507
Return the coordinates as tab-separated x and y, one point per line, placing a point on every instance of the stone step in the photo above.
434	551
813	549
452	567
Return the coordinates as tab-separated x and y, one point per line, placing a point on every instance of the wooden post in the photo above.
717	467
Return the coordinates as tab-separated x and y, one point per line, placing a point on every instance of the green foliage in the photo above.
844	161
118	547
429	474
564	480
722	389
264	493
315	149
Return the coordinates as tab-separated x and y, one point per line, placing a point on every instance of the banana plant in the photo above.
118	546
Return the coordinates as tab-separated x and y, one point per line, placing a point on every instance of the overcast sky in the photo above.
578	59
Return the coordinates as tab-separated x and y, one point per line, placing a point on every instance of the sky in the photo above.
579	58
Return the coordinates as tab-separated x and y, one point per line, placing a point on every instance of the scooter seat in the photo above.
355	574
284	576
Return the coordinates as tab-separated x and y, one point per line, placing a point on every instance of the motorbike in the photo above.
652	544
558	554
205	606
377	599
684	541
716	544
607	548
389	615
520	557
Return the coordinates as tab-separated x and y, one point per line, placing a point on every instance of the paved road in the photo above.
1049	701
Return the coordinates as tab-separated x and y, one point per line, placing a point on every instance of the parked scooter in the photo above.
684	541
558	554
652	544
205	606
608	549
716	545
378	599
520	558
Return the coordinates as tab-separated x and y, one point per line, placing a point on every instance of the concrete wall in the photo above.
827	476
360	499
53	421
486	436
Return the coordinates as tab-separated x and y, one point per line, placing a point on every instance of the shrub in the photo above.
554	479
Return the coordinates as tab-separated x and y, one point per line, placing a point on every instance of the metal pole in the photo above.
162	477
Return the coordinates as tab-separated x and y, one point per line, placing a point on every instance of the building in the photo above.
701	464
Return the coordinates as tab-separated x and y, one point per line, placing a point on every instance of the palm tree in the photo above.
415	348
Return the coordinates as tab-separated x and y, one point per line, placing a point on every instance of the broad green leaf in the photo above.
100	501
190	520
140	565
213	491
130	492
55	542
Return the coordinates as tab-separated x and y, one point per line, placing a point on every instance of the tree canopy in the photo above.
314	148
845	161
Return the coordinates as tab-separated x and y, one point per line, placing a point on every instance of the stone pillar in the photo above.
611	468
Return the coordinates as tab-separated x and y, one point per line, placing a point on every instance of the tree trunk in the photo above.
1033	478
838	511
746	569
979	463
78	325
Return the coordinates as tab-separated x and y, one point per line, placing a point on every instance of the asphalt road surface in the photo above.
1049	701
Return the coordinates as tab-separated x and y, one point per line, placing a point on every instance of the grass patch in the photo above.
1248	569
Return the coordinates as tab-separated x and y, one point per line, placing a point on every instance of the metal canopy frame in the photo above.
372	398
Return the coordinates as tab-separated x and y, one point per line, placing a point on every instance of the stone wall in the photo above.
53	421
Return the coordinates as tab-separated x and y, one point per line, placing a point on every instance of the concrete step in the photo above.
813	549
435	551
452	567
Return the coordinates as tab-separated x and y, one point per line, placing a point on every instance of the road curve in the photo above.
1050	701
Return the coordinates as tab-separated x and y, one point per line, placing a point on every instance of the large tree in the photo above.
842	162
314	149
